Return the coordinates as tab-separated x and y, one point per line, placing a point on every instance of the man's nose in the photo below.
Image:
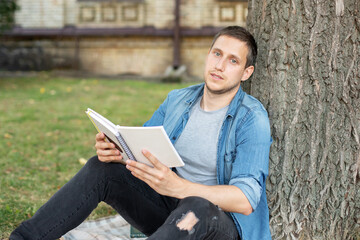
220	65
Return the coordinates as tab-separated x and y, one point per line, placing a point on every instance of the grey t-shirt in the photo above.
197	145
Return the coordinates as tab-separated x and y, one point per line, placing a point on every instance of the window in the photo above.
130	13
108	13
87	14
227	13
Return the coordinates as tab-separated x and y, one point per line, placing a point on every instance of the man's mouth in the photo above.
216	76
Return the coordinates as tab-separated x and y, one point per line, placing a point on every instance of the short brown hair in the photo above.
243	35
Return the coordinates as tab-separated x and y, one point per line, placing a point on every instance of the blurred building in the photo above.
116	37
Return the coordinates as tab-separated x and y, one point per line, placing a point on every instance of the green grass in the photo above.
44	131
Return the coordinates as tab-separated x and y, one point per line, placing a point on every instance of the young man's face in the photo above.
225	66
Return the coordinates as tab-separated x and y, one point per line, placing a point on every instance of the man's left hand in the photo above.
159	177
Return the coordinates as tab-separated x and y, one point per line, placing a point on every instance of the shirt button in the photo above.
174	138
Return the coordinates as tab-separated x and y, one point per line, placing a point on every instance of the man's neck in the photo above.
213	102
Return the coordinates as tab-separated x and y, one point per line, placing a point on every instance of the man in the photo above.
223	136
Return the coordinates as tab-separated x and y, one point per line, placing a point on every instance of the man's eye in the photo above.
233	61
217	54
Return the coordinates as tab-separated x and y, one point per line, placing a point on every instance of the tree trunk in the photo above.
307	76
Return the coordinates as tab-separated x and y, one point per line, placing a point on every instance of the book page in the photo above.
153	139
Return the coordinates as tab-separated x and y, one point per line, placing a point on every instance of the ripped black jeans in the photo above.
159	217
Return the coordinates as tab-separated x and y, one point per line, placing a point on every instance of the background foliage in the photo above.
7	10
44	133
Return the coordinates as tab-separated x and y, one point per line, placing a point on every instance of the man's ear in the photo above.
247	73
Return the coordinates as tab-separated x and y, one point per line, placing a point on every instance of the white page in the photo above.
153	139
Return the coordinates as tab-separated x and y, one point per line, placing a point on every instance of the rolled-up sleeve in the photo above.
250	187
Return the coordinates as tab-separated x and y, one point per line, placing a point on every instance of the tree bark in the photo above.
307	76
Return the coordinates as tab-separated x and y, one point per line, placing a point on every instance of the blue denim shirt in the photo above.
242	154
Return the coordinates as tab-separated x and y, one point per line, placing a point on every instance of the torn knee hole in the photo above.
187	221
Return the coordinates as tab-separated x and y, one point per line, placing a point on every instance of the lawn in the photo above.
44	132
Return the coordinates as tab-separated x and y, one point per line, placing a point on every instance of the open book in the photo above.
130	141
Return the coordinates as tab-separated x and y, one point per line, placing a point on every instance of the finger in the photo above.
151	174
146	180
100	136
141	171
108	159
104	145
152	159
138	165
108	152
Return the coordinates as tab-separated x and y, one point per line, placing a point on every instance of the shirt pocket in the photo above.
229	159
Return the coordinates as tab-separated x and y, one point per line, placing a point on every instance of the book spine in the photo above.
125	147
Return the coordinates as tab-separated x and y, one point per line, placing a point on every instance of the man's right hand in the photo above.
106	151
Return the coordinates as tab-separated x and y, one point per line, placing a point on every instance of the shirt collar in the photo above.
235	102
239	96
198	93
